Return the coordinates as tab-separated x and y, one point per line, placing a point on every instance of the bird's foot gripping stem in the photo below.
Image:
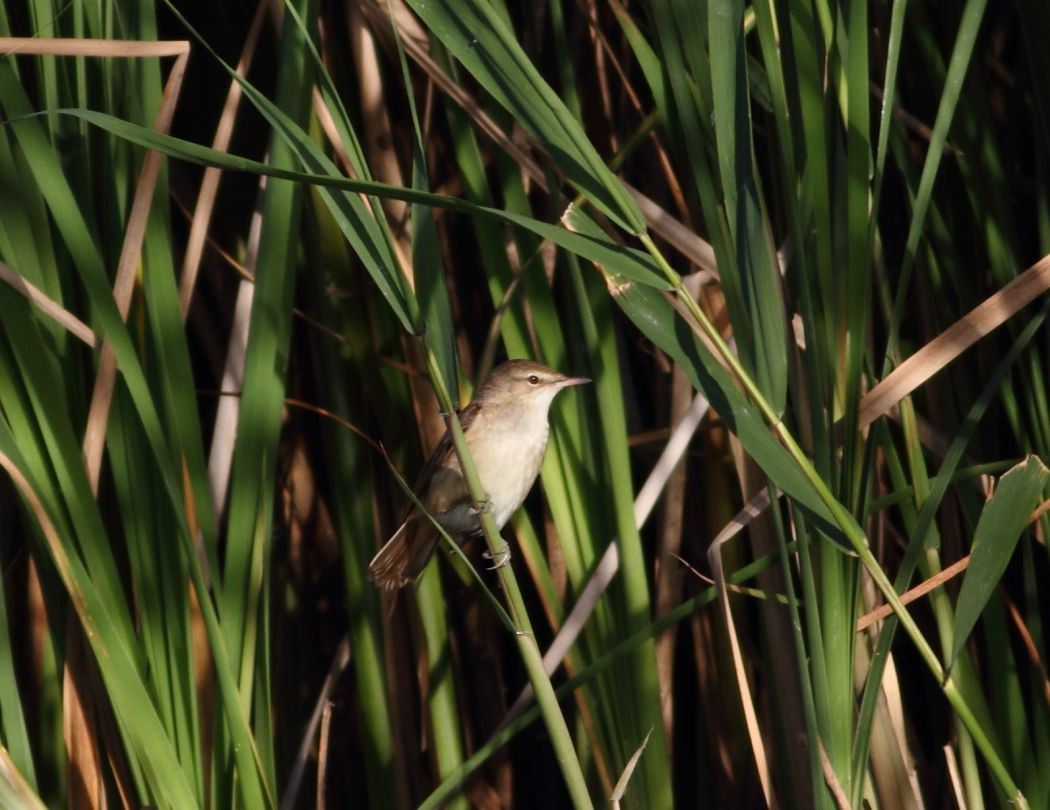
499	558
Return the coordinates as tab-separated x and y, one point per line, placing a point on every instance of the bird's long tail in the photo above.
405	555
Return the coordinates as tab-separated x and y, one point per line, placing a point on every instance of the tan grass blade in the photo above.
209	189
953	773
227	413
84	769
340	661
17	784
130	256
832	779
628	772
987	316
116	48
62	316
714	558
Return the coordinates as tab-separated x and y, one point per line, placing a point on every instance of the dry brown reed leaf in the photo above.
1030	647
832	779
987	316
130	257
322	754
340	661
956	777
17	784
84	771
754	733
920	590
116	48
62	316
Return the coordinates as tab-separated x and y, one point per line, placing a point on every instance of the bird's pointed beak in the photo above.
570	381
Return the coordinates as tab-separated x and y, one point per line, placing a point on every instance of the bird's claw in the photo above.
499	558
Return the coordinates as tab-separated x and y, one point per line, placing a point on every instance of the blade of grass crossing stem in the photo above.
837	580
492	253
176	394
705	598
633	683
689	114
263	391
894	37
819	796
655	318
23	221
176	391
1002	681
262	397
818	373
574	473
759	326
432	291
839	575
54	448
480	40
630	262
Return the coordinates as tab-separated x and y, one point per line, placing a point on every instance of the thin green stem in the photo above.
523	635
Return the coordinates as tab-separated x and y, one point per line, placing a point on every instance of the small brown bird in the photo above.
506	430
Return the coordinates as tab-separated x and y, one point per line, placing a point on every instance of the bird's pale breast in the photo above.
507	444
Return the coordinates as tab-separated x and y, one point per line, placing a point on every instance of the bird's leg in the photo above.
479	507
500	557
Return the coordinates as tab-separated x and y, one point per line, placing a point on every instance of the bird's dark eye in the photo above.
534	380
